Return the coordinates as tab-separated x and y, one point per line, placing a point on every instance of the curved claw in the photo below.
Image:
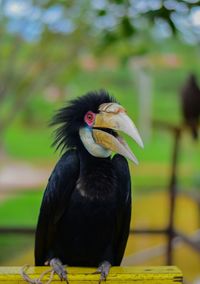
59	269
103	269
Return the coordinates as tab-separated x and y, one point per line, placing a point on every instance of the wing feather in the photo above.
124	206
55	201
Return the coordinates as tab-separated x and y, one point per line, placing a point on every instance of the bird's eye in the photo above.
89	118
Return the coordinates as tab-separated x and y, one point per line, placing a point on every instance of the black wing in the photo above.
55	201
124	206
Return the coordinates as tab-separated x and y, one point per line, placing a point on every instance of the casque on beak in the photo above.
113	116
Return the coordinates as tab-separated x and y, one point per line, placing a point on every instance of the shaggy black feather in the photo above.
70	118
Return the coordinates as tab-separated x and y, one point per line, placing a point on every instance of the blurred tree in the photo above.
42	41
128	17
30	63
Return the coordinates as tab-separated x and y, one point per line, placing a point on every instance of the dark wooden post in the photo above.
172	194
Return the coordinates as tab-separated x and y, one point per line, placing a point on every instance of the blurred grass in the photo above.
21	209
13	246
31	144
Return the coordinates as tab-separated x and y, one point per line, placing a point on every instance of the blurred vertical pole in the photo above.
172	194
145	103
143	82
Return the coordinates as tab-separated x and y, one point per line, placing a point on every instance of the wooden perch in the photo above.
139	275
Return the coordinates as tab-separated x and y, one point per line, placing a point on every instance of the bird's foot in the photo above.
59	269
103	269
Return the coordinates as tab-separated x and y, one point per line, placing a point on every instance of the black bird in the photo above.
190	99
86	208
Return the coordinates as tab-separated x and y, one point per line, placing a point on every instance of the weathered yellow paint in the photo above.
78	275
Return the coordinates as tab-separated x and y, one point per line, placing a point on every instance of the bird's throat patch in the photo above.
91	146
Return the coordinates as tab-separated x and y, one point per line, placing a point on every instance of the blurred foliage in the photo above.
27	67
43	42
132	17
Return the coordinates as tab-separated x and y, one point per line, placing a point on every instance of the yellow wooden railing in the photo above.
78	275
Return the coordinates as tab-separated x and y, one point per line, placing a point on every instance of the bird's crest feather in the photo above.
70	118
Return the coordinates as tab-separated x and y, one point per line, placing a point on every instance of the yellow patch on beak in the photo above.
113	116
117	145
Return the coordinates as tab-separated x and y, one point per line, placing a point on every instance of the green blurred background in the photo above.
142	53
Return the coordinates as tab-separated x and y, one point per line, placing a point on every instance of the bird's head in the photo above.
93	121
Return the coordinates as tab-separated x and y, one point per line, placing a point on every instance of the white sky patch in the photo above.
53	15
195	17
14	8
99	4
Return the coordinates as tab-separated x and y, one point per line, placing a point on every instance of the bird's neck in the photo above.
89	162
97	179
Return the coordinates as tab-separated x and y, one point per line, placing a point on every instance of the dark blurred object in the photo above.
190	98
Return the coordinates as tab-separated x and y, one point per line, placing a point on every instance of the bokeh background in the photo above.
142	52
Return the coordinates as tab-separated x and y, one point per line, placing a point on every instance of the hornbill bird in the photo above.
86	208
190	99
